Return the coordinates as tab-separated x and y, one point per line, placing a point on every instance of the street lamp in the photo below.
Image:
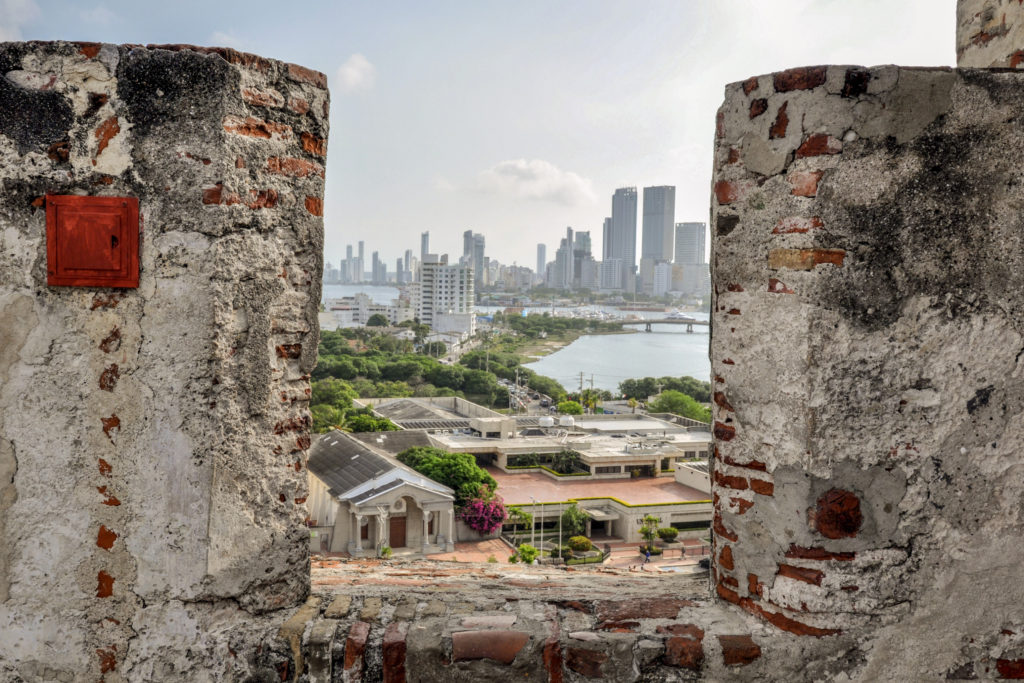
533	524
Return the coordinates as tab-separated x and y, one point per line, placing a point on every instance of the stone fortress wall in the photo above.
866	351
153	440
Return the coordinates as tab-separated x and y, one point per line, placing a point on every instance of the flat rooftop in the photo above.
595	445
517	489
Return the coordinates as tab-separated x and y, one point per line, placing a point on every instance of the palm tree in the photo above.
632	403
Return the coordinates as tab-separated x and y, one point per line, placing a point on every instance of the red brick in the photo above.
731	482
775	618
754	587
230	55
728	191
394	651
213	195
781	124
758	107
289	350
811	576
618	626
688	630
684	653
803	78
739	650
108	499
239	162
797	552
765	488
817	145
721	401
586	662
315	206
263	98
725	558
301	74
856	82
752	465
294	168
553	660
1016	58
733	311
729	581
298	105
727	594
355	645
796	224
104	467
837	514
314	145
105	538
59	151
776	286
644	608
734	156
1010	669
89	50
750	85
805	183
742	504
105	132
724	432
722	531
804	259
110	423
104	585
262	199
256	128
720	124
501	646
108	658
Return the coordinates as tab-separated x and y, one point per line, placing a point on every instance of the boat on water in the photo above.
647	309
676	315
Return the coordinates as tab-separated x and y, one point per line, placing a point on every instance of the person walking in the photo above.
647	556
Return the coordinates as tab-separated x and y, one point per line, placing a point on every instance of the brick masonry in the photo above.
144	480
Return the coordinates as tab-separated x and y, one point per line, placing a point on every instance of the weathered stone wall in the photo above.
990	34
868	317
152	440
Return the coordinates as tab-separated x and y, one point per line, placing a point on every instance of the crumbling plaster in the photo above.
153	440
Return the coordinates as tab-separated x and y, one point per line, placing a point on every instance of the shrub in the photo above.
668	534
492	559
655	550
580	544
527	553
574	520
484	514
513	558
385	551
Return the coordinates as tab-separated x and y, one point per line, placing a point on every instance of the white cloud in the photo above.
97	15
357	73
13	15
536	179
224	39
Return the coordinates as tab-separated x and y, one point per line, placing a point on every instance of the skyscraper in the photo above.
424	245
622	235
690	240
542	259
659	217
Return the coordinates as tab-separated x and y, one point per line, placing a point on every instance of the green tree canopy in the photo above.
457	471
377	320
679	403
570	408
363	422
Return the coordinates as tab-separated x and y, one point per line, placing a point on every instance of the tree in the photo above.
649	529
570	408
457	471
332	392
325	417
574	520
363	422
632	404
519	516
678	403
377	320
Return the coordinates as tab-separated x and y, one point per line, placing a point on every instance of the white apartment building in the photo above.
446	298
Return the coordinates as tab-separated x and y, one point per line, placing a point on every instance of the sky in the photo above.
513	119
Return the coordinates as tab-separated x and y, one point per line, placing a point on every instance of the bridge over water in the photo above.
668	321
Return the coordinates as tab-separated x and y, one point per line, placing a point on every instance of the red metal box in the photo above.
92	241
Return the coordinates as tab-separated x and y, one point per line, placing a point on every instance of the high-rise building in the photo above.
659	218
542	259
424	245
580	252
622	235
690	241
360	268
606	239
446	298
562	275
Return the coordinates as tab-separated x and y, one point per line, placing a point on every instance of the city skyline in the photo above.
514	120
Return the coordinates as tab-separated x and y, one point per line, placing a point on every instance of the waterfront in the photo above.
667	351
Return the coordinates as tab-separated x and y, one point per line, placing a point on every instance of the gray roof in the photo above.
394	442
401	410
343	463
358	472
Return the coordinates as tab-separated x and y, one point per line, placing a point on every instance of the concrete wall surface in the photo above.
152	440
867	359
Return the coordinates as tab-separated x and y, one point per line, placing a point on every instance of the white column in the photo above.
451	531
382	528
359	531
426	527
